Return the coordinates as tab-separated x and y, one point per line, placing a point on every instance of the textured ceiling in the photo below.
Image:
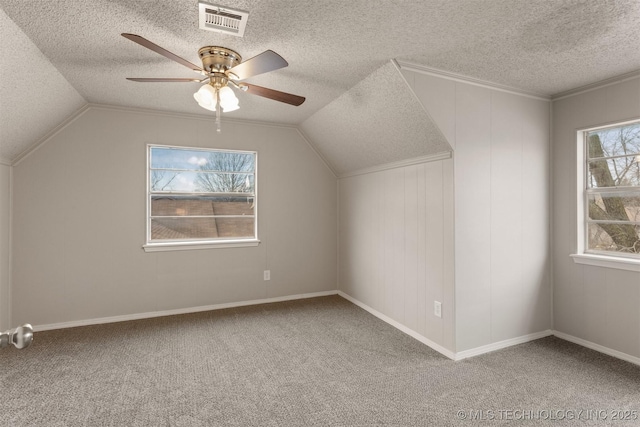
385	123
543	47
31	104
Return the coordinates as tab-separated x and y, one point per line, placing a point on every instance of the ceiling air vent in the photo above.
222	19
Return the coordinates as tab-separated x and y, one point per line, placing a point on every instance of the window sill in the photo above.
175	246
619	263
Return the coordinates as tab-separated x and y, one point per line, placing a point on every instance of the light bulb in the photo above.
226	94
228	100
206	97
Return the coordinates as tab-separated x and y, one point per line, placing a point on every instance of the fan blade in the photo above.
276	95
153	79
263	63
162	51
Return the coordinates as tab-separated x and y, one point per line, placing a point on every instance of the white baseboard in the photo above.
502	344
437	347
152	314
597	347
440	349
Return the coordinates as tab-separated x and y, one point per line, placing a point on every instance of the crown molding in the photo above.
597	85
422	69
5	162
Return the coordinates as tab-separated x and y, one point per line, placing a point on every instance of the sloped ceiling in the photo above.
377	121
76	51
31	104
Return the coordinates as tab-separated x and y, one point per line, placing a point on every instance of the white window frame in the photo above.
191	244
613	260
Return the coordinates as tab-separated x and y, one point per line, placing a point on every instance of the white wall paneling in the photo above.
501	176
597	305
5	241
396	245
79	209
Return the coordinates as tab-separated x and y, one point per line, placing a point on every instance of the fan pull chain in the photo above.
217	110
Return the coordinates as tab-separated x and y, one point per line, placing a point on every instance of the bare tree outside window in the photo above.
227	172
613	189
161	180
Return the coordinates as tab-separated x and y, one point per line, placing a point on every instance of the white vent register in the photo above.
222	19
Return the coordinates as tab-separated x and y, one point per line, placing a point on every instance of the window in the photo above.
200	198
611	202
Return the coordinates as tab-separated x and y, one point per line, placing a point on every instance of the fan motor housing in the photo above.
218	59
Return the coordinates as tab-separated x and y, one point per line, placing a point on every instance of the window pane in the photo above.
201	182
621	238
620	141
619	172
192	206
200	228
614	206
167	180
191	159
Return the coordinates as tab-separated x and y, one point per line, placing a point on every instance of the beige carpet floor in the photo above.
314	362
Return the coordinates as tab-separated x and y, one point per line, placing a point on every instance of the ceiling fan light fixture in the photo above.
207	98
223	67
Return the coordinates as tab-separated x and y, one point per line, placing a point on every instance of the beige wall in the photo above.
5	202
396	245
501	178
79	209
596	304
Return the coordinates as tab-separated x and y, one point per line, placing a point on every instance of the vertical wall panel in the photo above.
421	262
380	250
434	259
411	248
473	216
395	197
448	261
5	199
507	216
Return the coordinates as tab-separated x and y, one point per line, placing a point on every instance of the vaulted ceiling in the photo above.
59	55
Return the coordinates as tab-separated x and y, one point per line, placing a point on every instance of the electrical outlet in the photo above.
267	275
437	308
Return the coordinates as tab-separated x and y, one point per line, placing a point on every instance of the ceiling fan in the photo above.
222	68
